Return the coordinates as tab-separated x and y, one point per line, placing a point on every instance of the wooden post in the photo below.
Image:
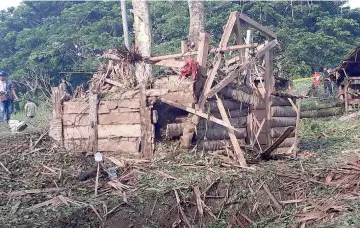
238	27
269	87
346	94
93	120
147	136
296	148
202	57
56	126
238	151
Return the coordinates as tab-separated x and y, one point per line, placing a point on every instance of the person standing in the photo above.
30	109
7	97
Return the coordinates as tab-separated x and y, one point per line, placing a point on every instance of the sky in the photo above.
7	3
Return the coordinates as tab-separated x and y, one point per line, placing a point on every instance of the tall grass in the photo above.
41	121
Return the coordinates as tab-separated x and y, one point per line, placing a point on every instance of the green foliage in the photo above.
65	36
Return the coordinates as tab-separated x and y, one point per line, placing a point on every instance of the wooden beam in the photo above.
93	119
238	27
217	61
266	154
297	110
257	25
146	125
346	94
170	63
184	46
212	51
238	151
269	87
198	113
219	86
203	52
267	47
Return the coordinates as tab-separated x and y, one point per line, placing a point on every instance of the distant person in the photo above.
7	97
30	109
65	89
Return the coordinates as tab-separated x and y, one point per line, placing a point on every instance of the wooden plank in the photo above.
232	113
77	132
76	120
198	113
154	59
119	118
217	60
268	47
238	27
75	107
266	154
216	134
170	63
124	130
55	96
276	132
174	84
203	52
93	119
257	25
282	111
180	97
346	94
283	122
297	109
145	127
238	151
269	87
119	145
219	86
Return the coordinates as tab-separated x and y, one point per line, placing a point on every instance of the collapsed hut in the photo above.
234	100
347	76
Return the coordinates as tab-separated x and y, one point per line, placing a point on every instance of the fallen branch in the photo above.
276	203
34	191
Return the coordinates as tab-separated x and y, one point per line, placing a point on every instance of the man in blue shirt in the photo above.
7	96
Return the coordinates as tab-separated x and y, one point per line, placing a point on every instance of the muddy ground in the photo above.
318	189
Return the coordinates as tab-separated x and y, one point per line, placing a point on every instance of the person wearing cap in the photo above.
7	96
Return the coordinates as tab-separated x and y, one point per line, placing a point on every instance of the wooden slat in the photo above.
266	154
119	118
270	45
198	113
174	84
238	27
217	60
75	107
215	134
269	87
203	51
104	144
104	131
297	109
257	25
76	120
154	59
219	86
170	63
146	125
238	151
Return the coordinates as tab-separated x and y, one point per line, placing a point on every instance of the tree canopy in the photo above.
64	36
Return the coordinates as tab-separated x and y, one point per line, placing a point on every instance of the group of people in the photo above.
7	98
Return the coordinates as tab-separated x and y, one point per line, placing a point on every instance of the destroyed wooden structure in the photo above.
347	76
232	101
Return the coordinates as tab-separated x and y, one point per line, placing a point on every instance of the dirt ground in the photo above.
39	185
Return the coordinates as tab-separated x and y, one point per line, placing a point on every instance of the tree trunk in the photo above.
143	40
197	21
197	26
